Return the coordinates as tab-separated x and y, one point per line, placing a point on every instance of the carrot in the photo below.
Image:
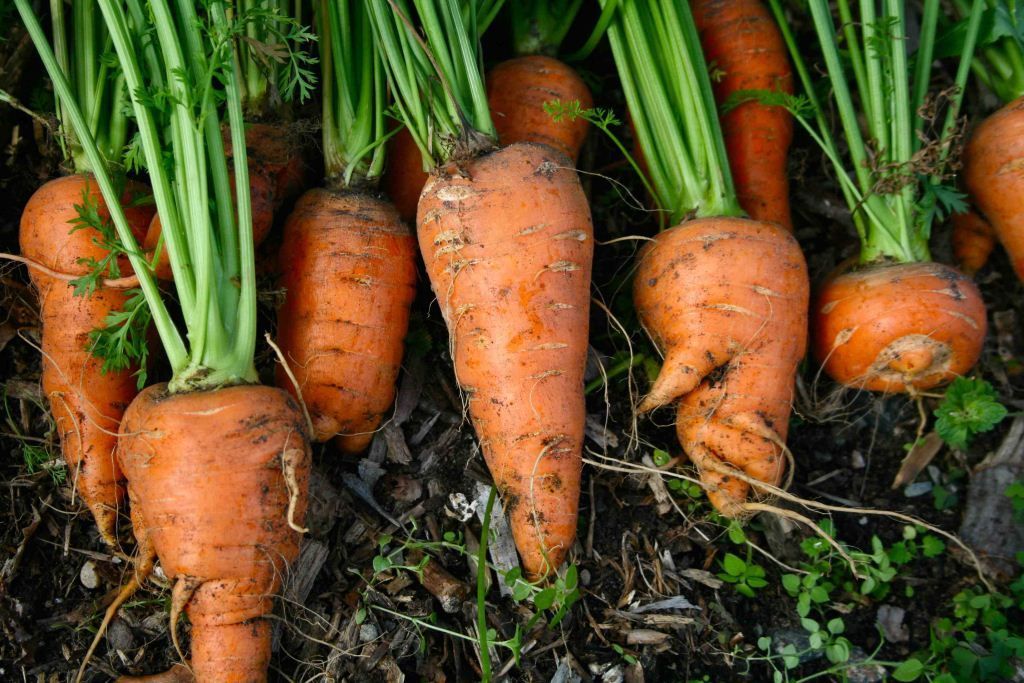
86	402
723	298
217	467
732	338
518	88
516	92
261	189
507	240
276	151
743	46
349	262
894	321
898	327
64	229
994	178
350	280
973	241
404	176
508	248
210	480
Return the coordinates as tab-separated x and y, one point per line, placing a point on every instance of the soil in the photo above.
634	549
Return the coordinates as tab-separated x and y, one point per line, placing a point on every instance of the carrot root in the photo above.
508	243
726	300
350	278
517	90
206	482
898	327
994	176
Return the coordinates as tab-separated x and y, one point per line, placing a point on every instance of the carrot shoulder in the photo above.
508	245
744	47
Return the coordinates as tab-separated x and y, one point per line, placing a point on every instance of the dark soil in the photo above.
55	573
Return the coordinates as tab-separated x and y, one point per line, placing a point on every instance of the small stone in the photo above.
88	575
368	632
119	635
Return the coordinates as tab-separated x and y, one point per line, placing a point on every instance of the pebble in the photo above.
88	576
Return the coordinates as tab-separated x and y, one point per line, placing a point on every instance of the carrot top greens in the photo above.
999	59
82	48
437	77
540	26
892	176
665	80
354	92
273	64
178	76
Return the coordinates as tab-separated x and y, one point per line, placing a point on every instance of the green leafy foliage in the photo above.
122	341
39	459
746	576
970	407
89	217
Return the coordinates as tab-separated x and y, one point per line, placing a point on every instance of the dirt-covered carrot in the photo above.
65	228
973	240
349	262
507	240
894	321
744	49
217	466
994	177
518	88
723	297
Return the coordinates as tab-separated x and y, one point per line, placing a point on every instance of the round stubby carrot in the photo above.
261	197
508	246
973	241
349	267
898	327
994	177
216	481
404	176
726	299
742	42
516	92
86	403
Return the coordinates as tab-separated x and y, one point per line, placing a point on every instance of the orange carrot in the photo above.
86	403
404	176
214	480
349	269
508	246
898	327
994	176
732	338
516	92
277	151
973	240
743	45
